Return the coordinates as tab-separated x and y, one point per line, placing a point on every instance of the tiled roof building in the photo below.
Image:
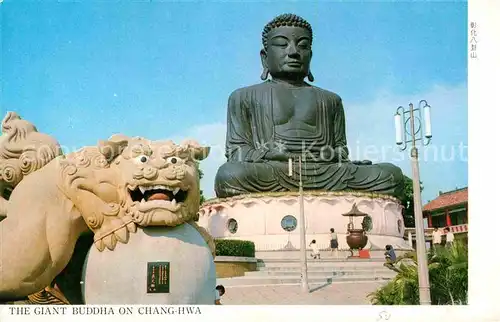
449	209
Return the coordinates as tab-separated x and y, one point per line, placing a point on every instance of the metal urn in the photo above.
356	239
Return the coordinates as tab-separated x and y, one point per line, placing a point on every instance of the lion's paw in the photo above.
112	231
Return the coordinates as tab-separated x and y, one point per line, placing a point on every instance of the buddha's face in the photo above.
288	53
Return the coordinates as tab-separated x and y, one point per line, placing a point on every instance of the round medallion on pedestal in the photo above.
232	226
289	223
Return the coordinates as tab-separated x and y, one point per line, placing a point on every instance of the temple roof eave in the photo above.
443	208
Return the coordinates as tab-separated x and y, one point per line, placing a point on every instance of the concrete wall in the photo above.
230	266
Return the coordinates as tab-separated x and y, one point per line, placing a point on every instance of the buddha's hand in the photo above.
274	155
364	162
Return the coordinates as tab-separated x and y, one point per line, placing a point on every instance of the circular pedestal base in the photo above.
271	220
121	276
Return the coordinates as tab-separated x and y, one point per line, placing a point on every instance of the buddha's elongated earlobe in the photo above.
310	77
265	73
263	59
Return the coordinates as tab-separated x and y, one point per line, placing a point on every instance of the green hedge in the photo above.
234	247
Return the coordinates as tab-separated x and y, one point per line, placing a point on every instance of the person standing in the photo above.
334	242
436	238
450	238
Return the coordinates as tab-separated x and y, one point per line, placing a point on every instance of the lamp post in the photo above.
302	227
402	119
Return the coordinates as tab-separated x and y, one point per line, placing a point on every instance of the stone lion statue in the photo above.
48	200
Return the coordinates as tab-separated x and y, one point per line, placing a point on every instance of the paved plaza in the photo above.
329	294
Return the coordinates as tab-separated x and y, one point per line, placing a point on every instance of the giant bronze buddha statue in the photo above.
284	117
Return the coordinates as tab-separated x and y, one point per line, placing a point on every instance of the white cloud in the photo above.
370	133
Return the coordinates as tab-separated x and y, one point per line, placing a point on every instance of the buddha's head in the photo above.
286	52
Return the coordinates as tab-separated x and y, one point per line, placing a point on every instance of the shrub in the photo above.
367	223
448	279
234	247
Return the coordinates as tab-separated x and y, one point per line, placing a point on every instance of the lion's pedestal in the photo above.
122	276
269	220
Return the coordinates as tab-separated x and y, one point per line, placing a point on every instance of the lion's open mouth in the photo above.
173	195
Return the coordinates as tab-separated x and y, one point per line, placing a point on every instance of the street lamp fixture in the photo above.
412	118
409	130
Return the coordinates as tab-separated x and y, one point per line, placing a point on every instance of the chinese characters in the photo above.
158	277
473	40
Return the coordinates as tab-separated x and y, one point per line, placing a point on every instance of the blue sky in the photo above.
83	71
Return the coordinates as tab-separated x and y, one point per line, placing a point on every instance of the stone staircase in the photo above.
328	270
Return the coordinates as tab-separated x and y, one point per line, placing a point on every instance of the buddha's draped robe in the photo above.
253	128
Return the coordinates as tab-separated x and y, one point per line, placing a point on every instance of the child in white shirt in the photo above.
315	250
219	291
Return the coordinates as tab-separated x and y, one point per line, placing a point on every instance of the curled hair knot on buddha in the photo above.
287	19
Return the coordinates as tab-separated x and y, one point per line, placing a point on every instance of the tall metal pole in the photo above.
423	270
303	254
